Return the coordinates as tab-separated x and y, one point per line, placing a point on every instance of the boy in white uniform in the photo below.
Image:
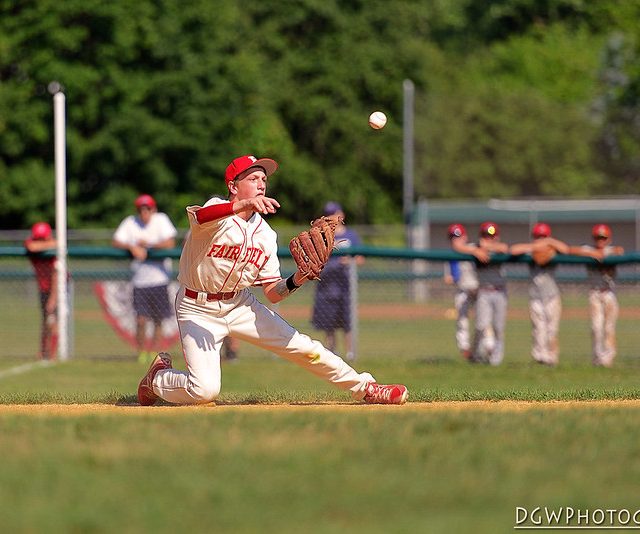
231	247
603	303
545	304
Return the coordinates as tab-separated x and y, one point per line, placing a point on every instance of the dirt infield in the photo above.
495	406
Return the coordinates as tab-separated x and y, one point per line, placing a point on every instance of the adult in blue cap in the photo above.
331	306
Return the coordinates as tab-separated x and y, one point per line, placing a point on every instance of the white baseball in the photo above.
377	120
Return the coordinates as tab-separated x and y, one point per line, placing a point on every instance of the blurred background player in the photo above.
463	275
545	304
332	301
229	350
491	303
139	233
603	303
41	239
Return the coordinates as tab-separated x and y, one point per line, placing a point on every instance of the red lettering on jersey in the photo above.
214	250
233	253
256	258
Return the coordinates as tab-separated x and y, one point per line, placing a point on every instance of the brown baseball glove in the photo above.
544	255
311	249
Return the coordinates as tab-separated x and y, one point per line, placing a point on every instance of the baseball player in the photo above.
463	275
603	303
491	303
42	239
230	247
545	305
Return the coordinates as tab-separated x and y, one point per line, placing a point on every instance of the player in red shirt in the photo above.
41	239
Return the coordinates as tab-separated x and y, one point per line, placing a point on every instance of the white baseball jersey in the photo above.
228	254
151	272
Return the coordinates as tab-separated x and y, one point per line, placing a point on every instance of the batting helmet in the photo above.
241	164
601	230
145	200
456	230
41	230
489	229
541	230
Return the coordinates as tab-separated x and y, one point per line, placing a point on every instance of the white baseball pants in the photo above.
545	324
604	314
464	302
491	316
203	327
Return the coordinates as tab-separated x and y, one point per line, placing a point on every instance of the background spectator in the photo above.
41	239
463	275
332	302
545	304
138	234
603	303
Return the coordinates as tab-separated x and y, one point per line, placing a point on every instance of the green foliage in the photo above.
161	95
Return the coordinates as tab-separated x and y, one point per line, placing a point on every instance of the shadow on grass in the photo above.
271	400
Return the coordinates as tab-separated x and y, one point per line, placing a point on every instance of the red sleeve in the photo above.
213	212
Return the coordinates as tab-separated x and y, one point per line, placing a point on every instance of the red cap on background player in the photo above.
489	229
541	230
41	230
456	230
145	200
601	230
241	164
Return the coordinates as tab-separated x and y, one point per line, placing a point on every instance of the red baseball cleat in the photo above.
381	394
146	396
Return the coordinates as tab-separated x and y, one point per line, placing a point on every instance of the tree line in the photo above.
513	98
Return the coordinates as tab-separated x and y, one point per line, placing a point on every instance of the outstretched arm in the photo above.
586	252
463	248
560	246
38	245
521	248
259	204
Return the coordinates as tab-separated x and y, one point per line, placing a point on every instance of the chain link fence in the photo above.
397	305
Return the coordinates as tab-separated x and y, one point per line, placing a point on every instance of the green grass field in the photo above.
322	465
284	452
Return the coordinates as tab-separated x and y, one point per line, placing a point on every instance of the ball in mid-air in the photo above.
377	120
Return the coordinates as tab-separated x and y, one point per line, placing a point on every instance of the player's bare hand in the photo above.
139	253
259	204
481	255
50	306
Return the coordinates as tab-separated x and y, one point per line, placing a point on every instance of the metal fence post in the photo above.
353	305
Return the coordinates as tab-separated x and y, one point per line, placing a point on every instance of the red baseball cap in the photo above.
601	230
456	230
241	164
145	200
489	229
541	230
41	230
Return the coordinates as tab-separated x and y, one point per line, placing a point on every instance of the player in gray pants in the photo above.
545	305
491	304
